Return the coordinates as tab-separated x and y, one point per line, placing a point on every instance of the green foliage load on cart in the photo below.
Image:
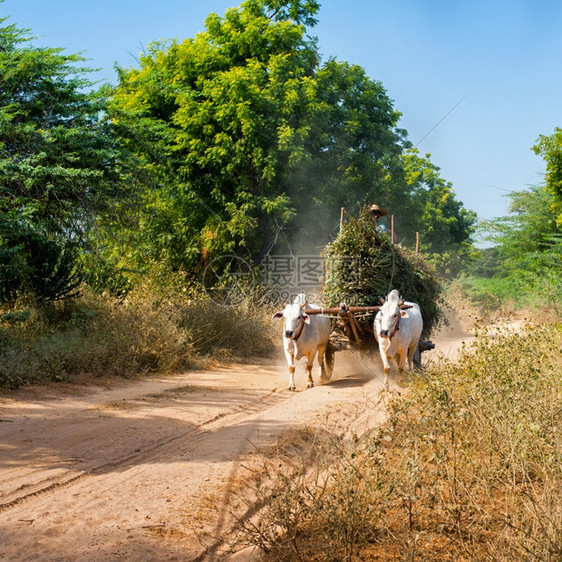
363	264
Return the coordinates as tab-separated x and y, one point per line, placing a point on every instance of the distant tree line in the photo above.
524	263
238	141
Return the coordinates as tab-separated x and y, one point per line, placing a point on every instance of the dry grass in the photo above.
152	330
469	468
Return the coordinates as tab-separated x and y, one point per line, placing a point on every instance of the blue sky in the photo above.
497	63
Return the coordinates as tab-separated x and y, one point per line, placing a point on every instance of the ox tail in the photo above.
329	358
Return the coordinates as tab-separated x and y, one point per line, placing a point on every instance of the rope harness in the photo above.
299	329
395	327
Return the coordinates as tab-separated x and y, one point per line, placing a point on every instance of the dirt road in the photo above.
146	470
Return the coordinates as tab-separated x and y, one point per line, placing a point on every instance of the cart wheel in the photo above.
329	357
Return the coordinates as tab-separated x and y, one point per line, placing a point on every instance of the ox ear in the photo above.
276	316
403	314
306	318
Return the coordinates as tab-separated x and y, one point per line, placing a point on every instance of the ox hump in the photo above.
394	296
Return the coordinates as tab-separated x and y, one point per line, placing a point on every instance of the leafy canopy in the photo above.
237	141
524	265
56	162
252	143
215	119
432	209
550	148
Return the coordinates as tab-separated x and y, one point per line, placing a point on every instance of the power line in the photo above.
441	120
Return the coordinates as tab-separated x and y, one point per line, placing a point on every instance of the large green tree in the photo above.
430	208
529	241
550	148
524	266
56	166
248	136
250	142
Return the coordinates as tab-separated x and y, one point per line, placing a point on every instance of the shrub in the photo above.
469	466
539	301
152	329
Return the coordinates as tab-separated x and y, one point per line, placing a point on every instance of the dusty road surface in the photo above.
151	469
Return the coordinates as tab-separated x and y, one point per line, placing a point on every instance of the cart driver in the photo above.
377	213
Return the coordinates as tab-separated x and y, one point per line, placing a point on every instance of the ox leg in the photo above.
383	346
309	379
401	360
386	371
411	353
291	362
386	366
291	378
321	366
385	362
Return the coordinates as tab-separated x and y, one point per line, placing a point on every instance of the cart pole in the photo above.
341	217
417	242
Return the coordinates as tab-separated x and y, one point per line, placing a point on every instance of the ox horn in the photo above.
382	301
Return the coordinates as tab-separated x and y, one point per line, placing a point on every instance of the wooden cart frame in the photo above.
353	330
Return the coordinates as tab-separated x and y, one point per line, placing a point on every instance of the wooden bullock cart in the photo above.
353	331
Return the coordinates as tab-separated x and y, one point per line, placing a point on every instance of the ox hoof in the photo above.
292	388
309	385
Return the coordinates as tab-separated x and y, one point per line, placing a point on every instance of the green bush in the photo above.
539	300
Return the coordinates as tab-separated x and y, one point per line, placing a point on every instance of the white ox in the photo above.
305	335
398	327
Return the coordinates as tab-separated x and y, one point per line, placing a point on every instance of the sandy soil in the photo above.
151	469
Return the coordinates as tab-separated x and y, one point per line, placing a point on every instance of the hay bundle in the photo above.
362	264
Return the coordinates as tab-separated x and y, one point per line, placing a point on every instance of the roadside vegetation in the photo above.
522	268
150	330
240	141
469	467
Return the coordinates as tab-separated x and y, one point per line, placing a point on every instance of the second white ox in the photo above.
398	327
305	335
